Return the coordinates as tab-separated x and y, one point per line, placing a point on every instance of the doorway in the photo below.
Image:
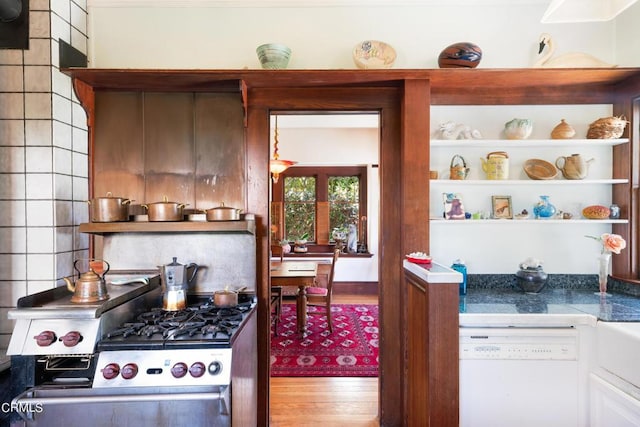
329	140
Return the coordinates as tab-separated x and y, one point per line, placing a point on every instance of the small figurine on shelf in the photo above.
300	244
451	130
339	234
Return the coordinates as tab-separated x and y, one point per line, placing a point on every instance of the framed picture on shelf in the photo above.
501	207
453	208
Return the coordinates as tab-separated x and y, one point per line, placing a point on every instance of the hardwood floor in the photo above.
326	401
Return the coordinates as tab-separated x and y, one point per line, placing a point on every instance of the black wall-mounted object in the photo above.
14	24
70	56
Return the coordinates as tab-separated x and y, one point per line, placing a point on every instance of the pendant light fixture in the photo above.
565	11
277	166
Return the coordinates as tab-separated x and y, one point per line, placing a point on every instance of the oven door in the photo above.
54	406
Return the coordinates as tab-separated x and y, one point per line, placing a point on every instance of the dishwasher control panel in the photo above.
514	344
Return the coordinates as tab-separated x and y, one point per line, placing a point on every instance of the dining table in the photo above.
296	273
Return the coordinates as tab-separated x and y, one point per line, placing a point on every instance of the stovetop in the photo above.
201	324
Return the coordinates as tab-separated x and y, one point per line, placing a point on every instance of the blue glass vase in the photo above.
544	208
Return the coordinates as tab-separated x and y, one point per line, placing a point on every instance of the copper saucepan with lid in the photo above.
109	208
223	213
165	210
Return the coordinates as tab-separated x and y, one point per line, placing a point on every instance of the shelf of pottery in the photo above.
509	163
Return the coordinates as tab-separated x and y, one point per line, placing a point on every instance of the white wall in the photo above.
324	37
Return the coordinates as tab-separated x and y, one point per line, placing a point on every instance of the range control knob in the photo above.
71	339
179	370
45	338
129	371
215	368
110	371
197	369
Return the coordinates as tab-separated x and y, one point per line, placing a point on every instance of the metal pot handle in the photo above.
75	266
195	271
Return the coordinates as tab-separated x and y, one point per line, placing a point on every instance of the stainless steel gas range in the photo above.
126	361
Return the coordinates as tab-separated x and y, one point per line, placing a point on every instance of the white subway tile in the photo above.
80	164
11	106
11	79
38	132
61	84
39	52
11	159
64	213
11	291
39	159
79	18
39	213
60	30
80	191
14	213
13	240
37	105
64	264
35	286
61	109
39	186
62	161
82	4
64	240
13	267
37	78
80	211
79	40
62	9
11	56
12	131
63	188
12	186
39	27
79	116
80	244
55	53
40	240
40	266
62	135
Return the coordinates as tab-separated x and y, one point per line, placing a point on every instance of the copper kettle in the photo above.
90	286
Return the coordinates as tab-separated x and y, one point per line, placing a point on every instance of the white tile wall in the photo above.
39	186
40	175
12	132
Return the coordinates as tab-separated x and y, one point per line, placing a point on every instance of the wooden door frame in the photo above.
387	101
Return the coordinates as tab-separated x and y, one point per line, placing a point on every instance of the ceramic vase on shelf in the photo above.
603	272
544	208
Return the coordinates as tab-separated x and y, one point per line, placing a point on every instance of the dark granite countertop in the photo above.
563	295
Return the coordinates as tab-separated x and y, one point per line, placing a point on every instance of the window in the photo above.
314	201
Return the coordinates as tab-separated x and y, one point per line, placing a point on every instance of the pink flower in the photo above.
611	242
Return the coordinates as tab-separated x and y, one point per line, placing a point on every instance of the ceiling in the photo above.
303	3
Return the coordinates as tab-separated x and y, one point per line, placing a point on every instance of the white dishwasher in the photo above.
517	376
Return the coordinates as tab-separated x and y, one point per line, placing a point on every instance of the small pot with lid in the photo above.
223	213
165	211
109	208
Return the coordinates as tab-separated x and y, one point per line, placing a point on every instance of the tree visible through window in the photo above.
316	200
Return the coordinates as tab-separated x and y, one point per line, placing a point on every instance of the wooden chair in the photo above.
276	292
320	296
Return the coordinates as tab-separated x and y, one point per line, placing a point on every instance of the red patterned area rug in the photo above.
350	351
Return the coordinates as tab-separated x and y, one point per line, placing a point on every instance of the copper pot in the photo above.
225	298
165	211
109	208
223	213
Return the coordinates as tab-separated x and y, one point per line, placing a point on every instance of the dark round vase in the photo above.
531	280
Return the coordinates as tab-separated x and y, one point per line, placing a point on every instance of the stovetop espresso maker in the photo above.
175	279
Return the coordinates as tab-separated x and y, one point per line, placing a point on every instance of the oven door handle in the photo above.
27	406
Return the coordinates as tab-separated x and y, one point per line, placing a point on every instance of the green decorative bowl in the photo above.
273	56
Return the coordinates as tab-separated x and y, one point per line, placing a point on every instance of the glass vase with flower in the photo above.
610	243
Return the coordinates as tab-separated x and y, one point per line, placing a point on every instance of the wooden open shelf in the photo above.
243	226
